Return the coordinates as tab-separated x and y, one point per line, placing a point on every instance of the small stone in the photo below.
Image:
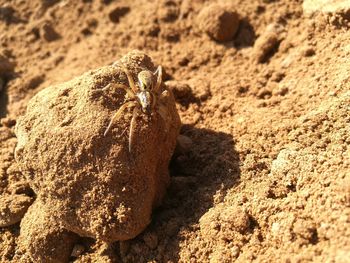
308	51
49	33
266	45
219	21
13	208
117	13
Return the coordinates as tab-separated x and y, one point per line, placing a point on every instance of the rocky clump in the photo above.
91	183
219	21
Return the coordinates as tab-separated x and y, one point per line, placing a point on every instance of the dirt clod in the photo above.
125	185
13	208
219	21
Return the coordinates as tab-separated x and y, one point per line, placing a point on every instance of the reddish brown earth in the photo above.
267	176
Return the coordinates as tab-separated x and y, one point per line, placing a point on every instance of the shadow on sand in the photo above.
199	179
3	103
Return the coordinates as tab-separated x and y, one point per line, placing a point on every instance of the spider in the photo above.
143	95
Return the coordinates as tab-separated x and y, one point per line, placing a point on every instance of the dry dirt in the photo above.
267	176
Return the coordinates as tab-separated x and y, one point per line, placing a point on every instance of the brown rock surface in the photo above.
13	208
91	183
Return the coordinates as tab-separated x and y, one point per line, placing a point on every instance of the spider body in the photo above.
142	96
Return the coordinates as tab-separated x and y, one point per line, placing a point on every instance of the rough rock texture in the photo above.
326	6
92	184
219	21
13	208
42	238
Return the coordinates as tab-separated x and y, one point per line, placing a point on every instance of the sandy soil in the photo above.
267	177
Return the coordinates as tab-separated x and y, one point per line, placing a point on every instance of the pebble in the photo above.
13	208
219	21
265	45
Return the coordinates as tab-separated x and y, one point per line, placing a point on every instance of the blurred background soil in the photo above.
266	105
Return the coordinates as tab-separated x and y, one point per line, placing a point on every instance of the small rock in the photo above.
308	51
49	33
224	221
13	208
266	45
117	13
219	21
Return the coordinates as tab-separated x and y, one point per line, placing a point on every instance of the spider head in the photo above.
145	78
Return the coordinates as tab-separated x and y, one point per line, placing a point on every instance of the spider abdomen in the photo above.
146	100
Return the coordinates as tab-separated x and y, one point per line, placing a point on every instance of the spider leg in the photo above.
128	91
159	71
132	128
130	79
154	100
118	114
